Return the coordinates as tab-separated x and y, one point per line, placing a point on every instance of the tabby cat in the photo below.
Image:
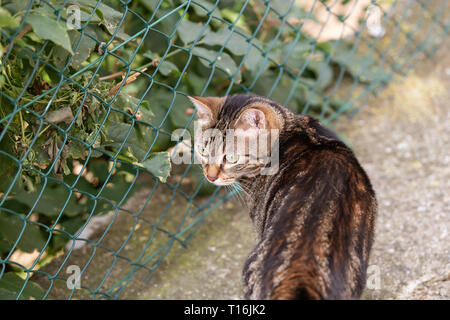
314	217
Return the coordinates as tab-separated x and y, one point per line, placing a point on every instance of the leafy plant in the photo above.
65	136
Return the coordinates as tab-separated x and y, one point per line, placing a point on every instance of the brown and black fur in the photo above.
314	218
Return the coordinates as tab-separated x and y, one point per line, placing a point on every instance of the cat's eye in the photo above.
232	158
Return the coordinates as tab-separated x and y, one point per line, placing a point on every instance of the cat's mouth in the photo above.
215	176
221	182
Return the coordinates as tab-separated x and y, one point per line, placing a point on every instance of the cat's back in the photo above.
317	228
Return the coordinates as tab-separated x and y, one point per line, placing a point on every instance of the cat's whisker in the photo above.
245	188
239	193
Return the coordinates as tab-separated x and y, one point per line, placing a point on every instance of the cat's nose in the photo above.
212	172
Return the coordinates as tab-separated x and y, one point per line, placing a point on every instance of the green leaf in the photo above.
297	54
82	185
149	55
315	98
6	163
119	188
159	165
150	5
7	20
111	20
177	114
167	68
99	169
84	49
5	246
255	60
236	44
108	16
48	28
189	31
71	226
202	7
52	200
76	149
85	12
196	83
129	104
284	8
159	105
118	132
224	61
233	16
10	228
11	284
15	7
322	71
364	68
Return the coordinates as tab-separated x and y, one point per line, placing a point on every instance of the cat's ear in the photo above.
251	119
207	108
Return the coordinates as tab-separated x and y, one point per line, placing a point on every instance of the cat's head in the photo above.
235	136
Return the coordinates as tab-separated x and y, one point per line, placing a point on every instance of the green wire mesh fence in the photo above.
91	92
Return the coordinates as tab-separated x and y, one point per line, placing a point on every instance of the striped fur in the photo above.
314	218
